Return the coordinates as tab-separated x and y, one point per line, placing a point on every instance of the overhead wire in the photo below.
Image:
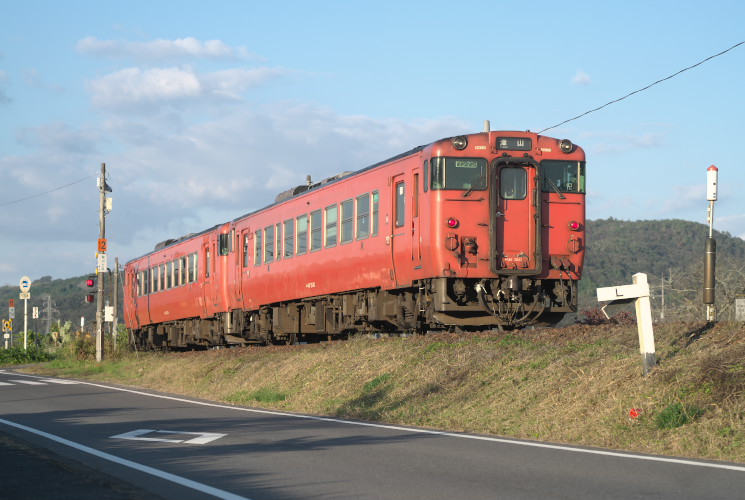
643	89
47	192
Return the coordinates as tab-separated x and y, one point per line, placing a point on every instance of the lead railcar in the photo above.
473	232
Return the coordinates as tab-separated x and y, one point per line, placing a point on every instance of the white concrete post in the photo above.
644	324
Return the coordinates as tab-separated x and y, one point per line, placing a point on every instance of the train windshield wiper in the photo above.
478	184
561	195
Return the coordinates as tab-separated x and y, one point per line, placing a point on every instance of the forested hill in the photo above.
618	249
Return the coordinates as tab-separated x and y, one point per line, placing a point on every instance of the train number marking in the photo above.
312	284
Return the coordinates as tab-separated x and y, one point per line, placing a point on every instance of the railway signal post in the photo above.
101	262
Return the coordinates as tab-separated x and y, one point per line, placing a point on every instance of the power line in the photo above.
643	89
46	192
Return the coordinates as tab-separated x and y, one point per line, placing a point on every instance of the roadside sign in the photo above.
102	244
25	284
12	312
11	303
25	295
102	263
35	313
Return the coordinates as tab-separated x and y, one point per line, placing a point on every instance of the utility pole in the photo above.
711	246
101	270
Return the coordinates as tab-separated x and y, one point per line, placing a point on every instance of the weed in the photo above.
371	385
677	415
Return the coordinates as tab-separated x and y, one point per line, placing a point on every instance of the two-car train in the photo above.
472	232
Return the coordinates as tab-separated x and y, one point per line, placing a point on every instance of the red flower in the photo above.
634	412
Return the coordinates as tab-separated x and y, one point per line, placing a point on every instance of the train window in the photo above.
278	234
232	241
184	269
302	234
316	230
207	262
139	284
400	204
467	174
246	250
195	259
153	279
425	170
375	203
513	183
169	275
363	216
224	244
415	208
332	218
268	244
258	248
563	176
162	273
347	221
289	238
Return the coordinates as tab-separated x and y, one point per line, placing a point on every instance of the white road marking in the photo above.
5	383
133	465
27	382
202	437
414	430
59	381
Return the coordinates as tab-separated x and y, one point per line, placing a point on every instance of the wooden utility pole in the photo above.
101	259
115	293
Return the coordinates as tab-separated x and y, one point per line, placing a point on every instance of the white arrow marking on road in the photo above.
202	437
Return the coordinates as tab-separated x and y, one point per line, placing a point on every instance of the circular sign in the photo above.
25	284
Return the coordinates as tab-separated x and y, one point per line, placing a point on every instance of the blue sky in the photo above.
203	111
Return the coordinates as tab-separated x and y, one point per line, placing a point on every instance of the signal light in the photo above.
90	282
574	225
452	222
89	298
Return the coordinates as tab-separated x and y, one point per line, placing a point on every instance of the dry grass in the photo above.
571	385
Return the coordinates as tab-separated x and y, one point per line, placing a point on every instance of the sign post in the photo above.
25	285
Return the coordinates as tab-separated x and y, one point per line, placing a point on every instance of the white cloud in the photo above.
152	87
581	78
162	50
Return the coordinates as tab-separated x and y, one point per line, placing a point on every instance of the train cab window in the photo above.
400	204
465	174
363	216
563	176
425	169
316	230
332	221
347	221
513	183
375	205
258	248
269	244
289	238
301	224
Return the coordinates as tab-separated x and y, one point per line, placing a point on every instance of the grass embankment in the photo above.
580	385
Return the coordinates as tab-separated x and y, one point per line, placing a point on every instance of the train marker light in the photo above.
566	146
574	225
452	222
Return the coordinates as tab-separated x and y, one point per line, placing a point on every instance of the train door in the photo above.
416	241
241	266
401	233
207	278
130	302
515	217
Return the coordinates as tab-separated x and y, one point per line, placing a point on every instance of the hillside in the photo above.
616	250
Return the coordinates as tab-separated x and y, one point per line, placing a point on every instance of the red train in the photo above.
472	232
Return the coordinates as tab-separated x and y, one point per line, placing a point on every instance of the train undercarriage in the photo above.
437	304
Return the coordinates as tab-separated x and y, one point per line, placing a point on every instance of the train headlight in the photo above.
574	225
452	222
566	146
460	142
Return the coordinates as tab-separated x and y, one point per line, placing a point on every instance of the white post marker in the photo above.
25	286
639	293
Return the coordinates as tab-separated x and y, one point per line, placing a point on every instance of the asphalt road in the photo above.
140	444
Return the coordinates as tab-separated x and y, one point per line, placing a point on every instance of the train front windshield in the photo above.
459	173
563	176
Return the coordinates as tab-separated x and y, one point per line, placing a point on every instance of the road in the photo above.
142	443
